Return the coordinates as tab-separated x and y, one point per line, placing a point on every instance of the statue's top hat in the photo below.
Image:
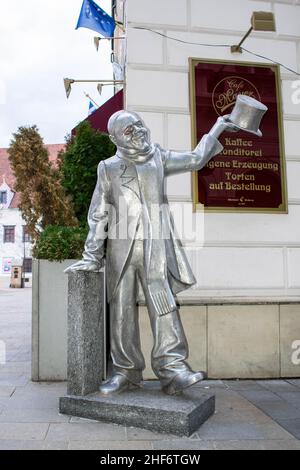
247	114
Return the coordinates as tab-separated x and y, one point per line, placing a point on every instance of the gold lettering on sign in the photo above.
229	186
238	142
235	164
239	176
247	187
226	91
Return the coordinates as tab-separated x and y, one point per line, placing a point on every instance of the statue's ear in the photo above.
113	139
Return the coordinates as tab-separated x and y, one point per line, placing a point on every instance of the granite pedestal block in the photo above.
86	336
147	408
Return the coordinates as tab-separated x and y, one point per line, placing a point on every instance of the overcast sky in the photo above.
39	46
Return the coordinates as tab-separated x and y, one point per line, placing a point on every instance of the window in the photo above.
27	265
26	236
3	197
9	234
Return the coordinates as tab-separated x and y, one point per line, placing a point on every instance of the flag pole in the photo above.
89	97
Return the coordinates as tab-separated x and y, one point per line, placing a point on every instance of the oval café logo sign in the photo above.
225	93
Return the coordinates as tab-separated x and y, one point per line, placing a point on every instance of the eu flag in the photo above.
93	17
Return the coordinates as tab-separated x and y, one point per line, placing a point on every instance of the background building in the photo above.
15	243
243	316
242	319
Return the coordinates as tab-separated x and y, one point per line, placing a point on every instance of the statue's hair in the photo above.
113	120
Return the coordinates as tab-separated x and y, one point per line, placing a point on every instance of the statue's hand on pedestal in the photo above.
85	265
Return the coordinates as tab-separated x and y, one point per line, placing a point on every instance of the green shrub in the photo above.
78	165
57	243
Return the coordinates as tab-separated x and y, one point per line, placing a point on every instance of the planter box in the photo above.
49	320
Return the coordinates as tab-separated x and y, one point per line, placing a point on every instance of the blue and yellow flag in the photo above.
93	17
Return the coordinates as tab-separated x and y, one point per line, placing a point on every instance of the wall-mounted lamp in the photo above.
260	21
69	81
97	40
99	88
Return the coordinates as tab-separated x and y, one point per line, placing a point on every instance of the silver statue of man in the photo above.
129	185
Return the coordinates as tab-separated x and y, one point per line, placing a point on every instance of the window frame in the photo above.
4	192
5	237
26	238
28	261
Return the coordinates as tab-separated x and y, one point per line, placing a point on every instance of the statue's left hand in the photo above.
228	126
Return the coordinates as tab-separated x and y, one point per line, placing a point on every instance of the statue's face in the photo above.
131	133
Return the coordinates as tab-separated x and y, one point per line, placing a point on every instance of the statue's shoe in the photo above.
182	381
116	384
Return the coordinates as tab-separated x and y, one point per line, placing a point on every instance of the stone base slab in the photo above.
147	408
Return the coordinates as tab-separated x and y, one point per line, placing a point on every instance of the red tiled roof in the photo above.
6	173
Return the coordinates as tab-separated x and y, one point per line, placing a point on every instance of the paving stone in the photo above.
44	387
86	432
53	445
279	409
136	434
11	415
23	431
6	390
295	382
211	384
32	445
255	396
232	400
244	431
289	444
76	419
278	385
242	384
33	402
291	425
233	416
15	368
184	444
291	397
11	380
110	445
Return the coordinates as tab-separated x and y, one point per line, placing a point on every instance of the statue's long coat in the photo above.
115	211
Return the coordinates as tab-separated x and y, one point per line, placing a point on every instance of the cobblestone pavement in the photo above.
249	414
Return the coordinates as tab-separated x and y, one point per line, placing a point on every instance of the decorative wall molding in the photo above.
292	158
166	67
159	109
292	117
215	31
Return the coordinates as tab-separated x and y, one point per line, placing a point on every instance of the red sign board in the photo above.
249	174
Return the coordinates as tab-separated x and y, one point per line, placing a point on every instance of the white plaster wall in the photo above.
12	250
248	255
